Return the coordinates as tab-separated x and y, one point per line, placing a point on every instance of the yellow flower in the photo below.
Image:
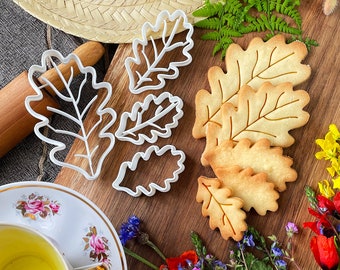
325	189
330	149
329	146
336	183
334	131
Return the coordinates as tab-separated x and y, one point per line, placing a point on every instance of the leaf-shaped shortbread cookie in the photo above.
252	188
271	112
273	61
224	211
261	157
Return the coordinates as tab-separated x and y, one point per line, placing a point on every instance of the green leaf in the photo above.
211	36
198	244
208	10
209	23
242	17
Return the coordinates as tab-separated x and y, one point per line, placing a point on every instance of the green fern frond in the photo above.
279	24
211	36
217	48
229	19
228	32
233	6
257	4
307	41
259	25
294	14
208	9
209	23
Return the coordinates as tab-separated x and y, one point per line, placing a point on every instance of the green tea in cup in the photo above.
22	248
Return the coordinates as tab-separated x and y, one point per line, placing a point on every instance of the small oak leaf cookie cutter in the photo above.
171	72
136	115
153	187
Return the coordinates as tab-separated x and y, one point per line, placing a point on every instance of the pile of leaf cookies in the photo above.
246	119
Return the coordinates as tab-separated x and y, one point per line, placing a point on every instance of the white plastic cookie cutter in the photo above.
136	115
168	43
153	187
72	98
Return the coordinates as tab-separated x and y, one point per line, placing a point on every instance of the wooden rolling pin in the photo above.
15	122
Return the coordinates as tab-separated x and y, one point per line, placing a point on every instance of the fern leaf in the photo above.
259	25
233	6
256	4
208	10
244	17
211	36
294	14
218	47
227	32
209	23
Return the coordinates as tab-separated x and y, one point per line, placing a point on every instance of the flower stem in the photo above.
156	249
243	259
139	258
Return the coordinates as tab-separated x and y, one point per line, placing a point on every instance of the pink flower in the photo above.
54	207
34	206
97	244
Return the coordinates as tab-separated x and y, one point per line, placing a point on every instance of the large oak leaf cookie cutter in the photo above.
73	98
152	187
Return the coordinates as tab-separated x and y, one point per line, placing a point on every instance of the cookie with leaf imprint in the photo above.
246	119
272	61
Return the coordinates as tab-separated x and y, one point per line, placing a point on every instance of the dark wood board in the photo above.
170	217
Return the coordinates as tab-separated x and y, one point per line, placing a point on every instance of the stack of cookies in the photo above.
246	119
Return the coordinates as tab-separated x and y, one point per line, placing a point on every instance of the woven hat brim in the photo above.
107	21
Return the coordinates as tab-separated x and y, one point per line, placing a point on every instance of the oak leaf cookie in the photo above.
260	156
254	189
224	211
272	61
270	112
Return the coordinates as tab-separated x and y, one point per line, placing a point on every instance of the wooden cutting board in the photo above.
170	217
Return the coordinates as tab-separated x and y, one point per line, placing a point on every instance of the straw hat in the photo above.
108	21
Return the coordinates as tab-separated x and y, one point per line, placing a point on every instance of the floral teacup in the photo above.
22	247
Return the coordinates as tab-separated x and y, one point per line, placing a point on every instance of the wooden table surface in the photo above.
170	217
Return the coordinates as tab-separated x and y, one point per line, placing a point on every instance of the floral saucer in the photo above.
82	231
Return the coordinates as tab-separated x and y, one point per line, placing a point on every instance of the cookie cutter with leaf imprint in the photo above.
153	187
170	24
134	134
73	98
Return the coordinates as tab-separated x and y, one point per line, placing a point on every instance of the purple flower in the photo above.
134	220
277	251
129	229
281	263
291	228
249	240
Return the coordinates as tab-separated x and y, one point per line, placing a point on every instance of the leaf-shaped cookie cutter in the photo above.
44	121
152	67
136	115
153	187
